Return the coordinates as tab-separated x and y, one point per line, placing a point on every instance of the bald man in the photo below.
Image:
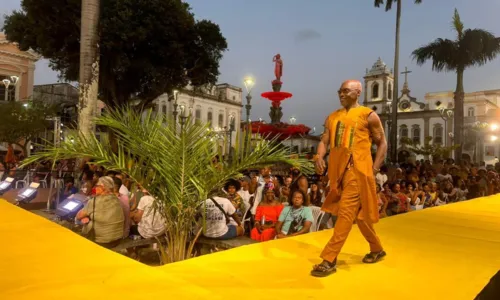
349	134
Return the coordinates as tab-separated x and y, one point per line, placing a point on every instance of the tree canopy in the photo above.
428	148
147	47
388	3
21	123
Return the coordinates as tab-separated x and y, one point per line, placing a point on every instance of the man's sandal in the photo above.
374	257
324	269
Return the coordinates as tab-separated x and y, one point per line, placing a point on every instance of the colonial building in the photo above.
219	105
21	65
433	116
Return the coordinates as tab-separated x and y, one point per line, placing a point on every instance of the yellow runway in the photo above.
448	252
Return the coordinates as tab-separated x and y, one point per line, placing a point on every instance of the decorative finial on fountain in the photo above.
278	72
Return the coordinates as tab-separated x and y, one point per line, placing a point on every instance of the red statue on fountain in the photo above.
276	127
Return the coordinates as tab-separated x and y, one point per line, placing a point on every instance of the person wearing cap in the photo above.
103	214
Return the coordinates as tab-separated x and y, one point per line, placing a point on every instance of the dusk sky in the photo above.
323	42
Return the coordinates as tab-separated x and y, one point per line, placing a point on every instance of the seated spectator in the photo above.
315	196
296	218
462	191
103	215
69	188
266	216
231	187
87	184
244	191
400	200
123	189
124	202
382	202
218	213
149	222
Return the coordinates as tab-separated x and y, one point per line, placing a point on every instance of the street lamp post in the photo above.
389	125
249	83
446	113
292	121
231	129
8	82
183	116
175	112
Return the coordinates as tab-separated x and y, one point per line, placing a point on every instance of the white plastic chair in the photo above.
25	181
317	215
43	182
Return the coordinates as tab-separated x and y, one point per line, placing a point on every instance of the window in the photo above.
415	134
389	91
438	134
11	94
210	117
403	131
221	120
197	114
471	112
375	90
164	109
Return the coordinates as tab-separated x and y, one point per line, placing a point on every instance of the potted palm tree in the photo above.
175	164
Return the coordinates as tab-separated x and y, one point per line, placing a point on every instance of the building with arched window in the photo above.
433	116
208	104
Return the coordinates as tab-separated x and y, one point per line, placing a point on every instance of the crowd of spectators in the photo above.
261	205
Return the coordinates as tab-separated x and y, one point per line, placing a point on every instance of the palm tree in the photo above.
89	66
394	118
175	166
472	47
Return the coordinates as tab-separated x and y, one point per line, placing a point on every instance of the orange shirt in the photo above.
350	137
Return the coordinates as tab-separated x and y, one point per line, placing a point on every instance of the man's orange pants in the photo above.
349	207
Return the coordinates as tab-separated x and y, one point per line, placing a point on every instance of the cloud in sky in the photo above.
305	35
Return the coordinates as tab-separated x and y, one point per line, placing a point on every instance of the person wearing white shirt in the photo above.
381	176
150	223
218	212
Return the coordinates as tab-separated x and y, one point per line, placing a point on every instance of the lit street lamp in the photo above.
292	121
249	83
446	113
6	82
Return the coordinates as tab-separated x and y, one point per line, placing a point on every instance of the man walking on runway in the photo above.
349	134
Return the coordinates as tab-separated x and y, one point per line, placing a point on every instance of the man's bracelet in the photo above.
376	170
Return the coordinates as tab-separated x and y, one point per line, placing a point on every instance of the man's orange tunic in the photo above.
350	136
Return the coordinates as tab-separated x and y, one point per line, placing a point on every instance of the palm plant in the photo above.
394	119
175	166
472	47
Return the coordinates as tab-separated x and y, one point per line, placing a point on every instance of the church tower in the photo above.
379	83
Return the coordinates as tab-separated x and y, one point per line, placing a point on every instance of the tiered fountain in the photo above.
277	128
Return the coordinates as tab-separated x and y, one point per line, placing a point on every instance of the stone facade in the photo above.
433	117
14	62
217	105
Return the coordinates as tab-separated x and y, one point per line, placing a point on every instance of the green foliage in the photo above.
428	148
388	3
473	47
175	166
147	47
21	123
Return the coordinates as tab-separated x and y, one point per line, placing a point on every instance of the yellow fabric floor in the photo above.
448	252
